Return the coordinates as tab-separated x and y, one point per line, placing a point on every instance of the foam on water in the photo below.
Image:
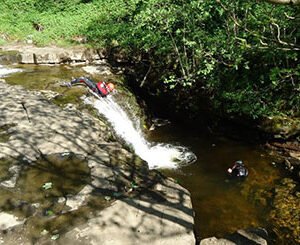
4	71
156	155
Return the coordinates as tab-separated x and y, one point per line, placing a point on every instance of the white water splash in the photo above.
4	71
156	155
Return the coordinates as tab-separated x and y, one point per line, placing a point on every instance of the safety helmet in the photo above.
240	162
111	86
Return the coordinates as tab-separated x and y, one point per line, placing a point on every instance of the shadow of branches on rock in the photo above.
116	192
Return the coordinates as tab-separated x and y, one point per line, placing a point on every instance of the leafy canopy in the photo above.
243	55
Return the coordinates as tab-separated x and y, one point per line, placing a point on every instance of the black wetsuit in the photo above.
99	88
86	81
238	170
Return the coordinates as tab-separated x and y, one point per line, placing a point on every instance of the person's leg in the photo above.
78	80
91	84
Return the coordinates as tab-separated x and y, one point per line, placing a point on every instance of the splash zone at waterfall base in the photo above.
157	155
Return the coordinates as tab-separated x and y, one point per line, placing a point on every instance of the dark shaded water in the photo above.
222	205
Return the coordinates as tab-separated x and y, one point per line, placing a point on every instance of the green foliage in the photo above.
244	55
55	5
45	21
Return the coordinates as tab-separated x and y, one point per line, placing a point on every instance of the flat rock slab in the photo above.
29	54
250	236
9	220
143	220
41	127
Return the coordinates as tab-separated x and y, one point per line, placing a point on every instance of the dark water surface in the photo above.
222	205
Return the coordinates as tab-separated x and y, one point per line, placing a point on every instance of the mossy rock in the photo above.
281	127
4	132
286	212
9	57
70	96
5	164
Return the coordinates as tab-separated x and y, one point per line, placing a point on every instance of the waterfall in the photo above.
157	155
4	71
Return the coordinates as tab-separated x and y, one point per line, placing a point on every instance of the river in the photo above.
221	205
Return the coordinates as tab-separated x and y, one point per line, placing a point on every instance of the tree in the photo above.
212	48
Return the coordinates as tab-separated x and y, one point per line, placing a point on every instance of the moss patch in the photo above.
281	127
4	134
286	211
4	167
69	96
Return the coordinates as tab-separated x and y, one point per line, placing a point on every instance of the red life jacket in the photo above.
102	88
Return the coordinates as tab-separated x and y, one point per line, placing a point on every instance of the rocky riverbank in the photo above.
138	206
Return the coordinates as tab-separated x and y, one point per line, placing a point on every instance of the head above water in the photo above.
110	86
240	162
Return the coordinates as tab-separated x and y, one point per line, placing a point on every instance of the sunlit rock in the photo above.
8	220
163	216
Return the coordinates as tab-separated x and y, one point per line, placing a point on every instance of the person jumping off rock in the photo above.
101	88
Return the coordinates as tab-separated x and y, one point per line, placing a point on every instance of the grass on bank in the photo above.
46	27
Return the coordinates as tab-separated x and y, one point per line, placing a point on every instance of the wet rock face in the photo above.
9	57
245	236
287	154
286	211
281	127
